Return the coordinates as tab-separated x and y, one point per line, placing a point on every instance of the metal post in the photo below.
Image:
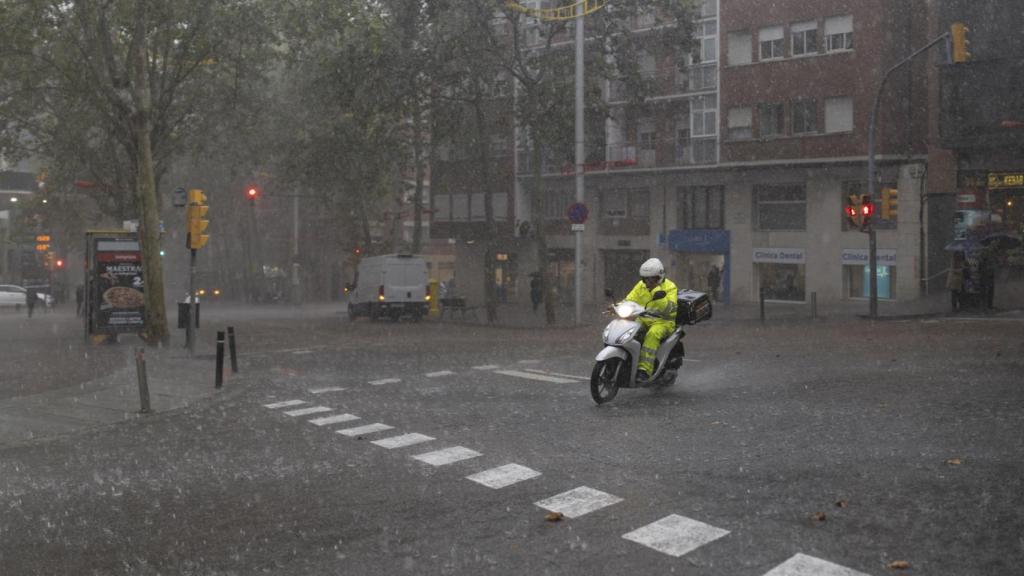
762	304
296	296
219	378
231	348
140	370
191	324
814	304
872	177
580	158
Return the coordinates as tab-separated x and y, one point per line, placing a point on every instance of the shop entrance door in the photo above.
622	270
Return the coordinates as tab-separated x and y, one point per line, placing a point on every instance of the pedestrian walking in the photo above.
79	298
536	290
30	300
714	278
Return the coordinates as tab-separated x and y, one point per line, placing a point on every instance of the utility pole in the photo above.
580	160
296	287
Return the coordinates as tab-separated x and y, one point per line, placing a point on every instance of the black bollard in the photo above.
231	348
220	359
140	369
762	305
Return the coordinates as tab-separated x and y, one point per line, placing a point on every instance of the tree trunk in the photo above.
156	313
537	211
417	156
490	240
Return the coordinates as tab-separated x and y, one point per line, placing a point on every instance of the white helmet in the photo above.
652	268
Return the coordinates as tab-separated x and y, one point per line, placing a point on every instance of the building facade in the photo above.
745	155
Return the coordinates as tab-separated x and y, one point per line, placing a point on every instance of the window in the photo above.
708	32
646	134
839	114
780	207
859	281
701	207
770	39
784	282
708	8
443	207
805	117
739	48
703	78
705	150
556	202
622	204
740	124
805	38
838	33
704	114
460	207
771	119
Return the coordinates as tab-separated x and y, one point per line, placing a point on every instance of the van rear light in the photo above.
380	293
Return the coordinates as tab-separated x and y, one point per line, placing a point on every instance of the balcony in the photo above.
702	78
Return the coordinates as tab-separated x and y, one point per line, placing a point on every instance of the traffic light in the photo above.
251	193
890	203
867	210
852	210
197	222
357	251
960	44
60	264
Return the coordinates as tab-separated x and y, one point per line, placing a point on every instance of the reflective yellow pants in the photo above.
657	332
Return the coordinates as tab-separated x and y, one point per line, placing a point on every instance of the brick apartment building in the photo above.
744	161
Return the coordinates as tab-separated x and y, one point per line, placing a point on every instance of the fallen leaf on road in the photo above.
819	516
953	462
553	516
899	565
842	504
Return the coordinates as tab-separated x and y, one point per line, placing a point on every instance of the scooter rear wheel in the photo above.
604	383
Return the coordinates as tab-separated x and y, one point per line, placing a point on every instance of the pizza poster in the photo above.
119	299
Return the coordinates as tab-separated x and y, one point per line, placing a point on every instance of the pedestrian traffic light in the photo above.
890	203
251	193
960	44
197	222
852	210
867	211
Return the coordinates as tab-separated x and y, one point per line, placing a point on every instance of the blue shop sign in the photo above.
706	241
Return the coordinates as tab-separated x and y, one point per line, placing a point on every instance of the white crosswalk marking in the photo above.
573	376
367	429
325	390
529	361
402	441
503	476
447	456
439	374
578	501
328	420
675	535
384	381
284	404
308	411
487	367
804	565
532	376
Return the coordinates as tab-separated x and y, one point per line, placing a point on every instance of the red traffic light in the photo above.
252	193
357	251
60	263
867	209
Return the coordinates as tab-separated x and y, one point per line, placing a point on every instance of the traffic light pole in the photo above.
872	172
192	324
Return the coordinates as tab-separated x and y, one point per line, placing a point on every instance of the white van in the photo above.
392	285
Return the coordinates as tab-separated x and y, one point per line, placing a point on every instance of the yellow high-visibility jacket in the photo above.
665	308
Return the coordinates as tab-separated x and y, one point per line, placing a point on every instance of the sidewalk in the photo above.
174	381
1009	298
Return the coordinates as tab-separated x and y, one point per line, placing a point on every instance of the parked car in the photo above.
11	295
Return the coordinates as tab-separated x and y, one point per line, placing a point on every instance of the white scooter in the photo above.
616	365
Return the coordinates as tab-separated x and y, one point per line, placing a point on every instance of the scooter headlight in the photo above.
627	335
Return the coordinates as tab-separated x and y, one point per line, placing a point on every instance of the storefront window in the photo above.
858	281
782	281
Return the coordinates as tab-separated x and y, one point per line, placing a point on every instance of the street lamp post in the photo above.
580	160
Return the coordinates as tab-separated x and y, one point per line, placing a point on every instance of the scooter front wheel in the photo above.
604	380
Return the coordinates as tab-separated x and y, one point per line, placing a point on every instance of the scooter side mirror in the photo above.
658	295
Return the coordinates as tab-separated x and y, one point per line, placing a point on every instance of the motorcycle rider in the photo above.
659	326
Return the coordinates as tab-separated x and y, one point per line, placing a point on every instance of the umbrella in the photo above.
962	245
1002	241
